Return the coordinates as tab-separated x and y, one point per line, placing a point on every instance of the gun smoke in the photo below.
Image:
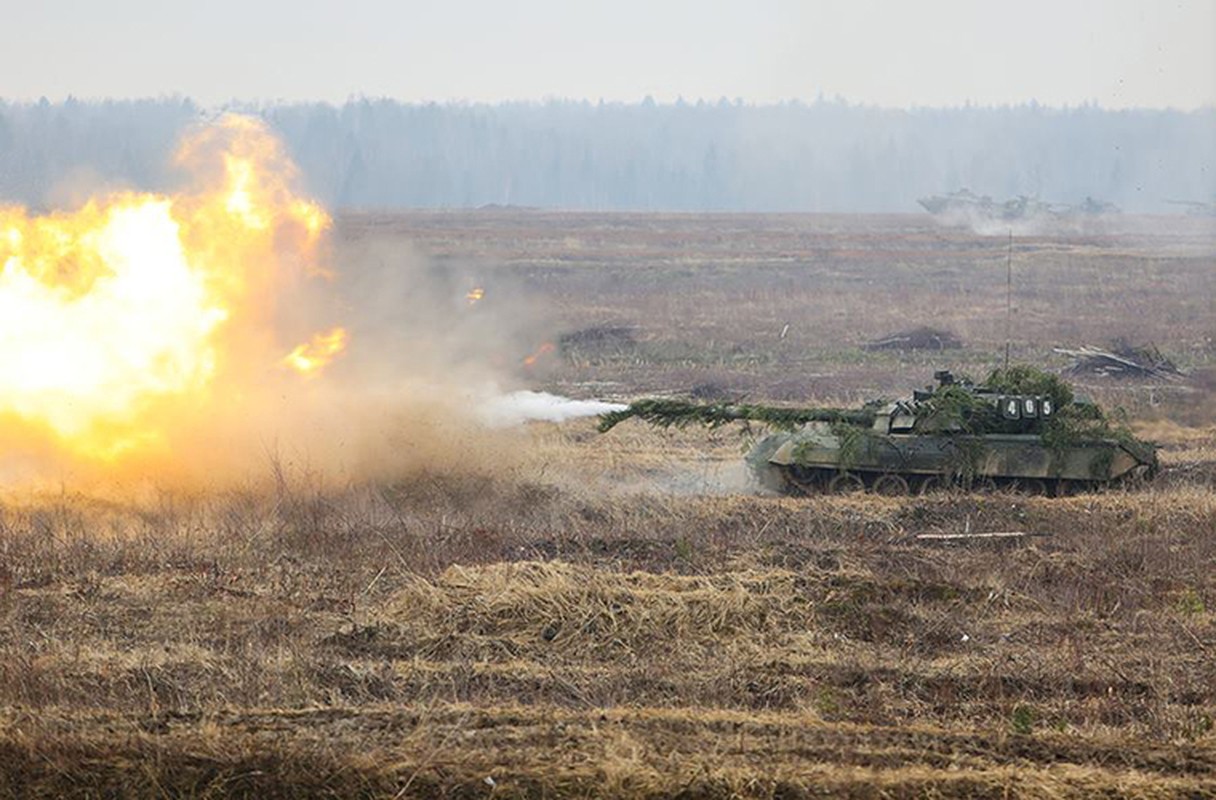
516	408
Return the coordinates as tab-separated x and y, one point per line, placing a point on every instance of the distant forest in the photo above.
822	156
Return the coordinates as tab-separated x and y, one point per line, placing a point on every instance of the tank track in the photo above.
809	481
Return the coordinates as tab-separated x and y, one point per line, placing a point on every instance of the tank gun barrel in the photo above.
667	413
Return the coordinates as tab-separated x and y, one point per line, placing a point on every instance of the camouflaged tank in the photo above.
983	437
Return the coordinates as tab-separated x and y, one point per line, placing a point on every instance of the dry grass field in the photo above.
617	615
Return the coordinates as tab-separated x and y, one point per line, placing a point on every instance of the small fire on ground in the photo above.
542	351
311	357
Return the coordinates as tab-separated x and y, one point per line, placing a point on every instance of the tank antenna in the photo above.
1008	297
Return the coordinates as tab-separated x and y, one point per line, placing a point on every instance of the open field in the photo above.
617	615
705	299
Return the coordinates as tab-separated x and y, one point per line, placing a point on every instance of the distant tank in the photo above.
1093	207
963	201
1195	208
1025	207
1022	430
969	205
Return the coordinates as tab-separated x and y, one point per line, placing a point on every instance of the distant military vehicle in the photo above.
1094	208
1196	208
970	205
1025	207
1022	430
965	203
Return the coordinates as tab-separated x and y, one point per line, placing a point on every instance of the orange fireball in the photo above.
119	318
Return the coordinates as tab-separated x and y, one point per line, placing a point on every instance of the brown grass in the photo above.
366	639
613	616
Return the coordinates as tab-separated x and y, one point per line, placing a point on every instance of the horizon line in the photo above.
646	101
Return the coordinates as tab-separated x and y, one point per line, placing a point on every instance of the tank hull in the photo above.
815	456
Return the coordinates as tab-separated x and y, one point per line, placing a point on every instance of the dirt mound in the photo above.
1124	361
598	338
922	338
552	611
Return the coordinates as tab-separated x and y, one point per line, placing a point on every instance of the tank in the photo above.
963	201
1093	207
1195	208
1021	430
983	437
967	204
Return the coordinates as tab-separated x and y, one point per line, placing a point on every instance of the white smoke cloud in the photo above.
516	408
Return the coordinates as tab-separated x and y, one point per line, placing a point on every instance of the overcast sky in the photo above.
1119	53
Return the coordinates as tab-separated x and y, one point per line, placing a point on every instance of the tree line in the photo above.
824	156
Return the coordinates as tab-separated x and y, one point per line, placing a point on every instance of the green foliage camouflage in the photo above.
1025	379
954	408
667	413
852	439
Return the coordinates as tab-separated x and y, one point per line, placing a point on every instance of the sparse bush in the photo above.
1022	720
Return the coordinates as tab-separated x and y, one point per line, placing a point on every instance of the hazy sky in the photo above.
1119	53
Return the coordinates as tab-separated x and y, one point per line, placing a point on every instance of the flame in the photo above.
121	319
543	350
310	358
475	294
